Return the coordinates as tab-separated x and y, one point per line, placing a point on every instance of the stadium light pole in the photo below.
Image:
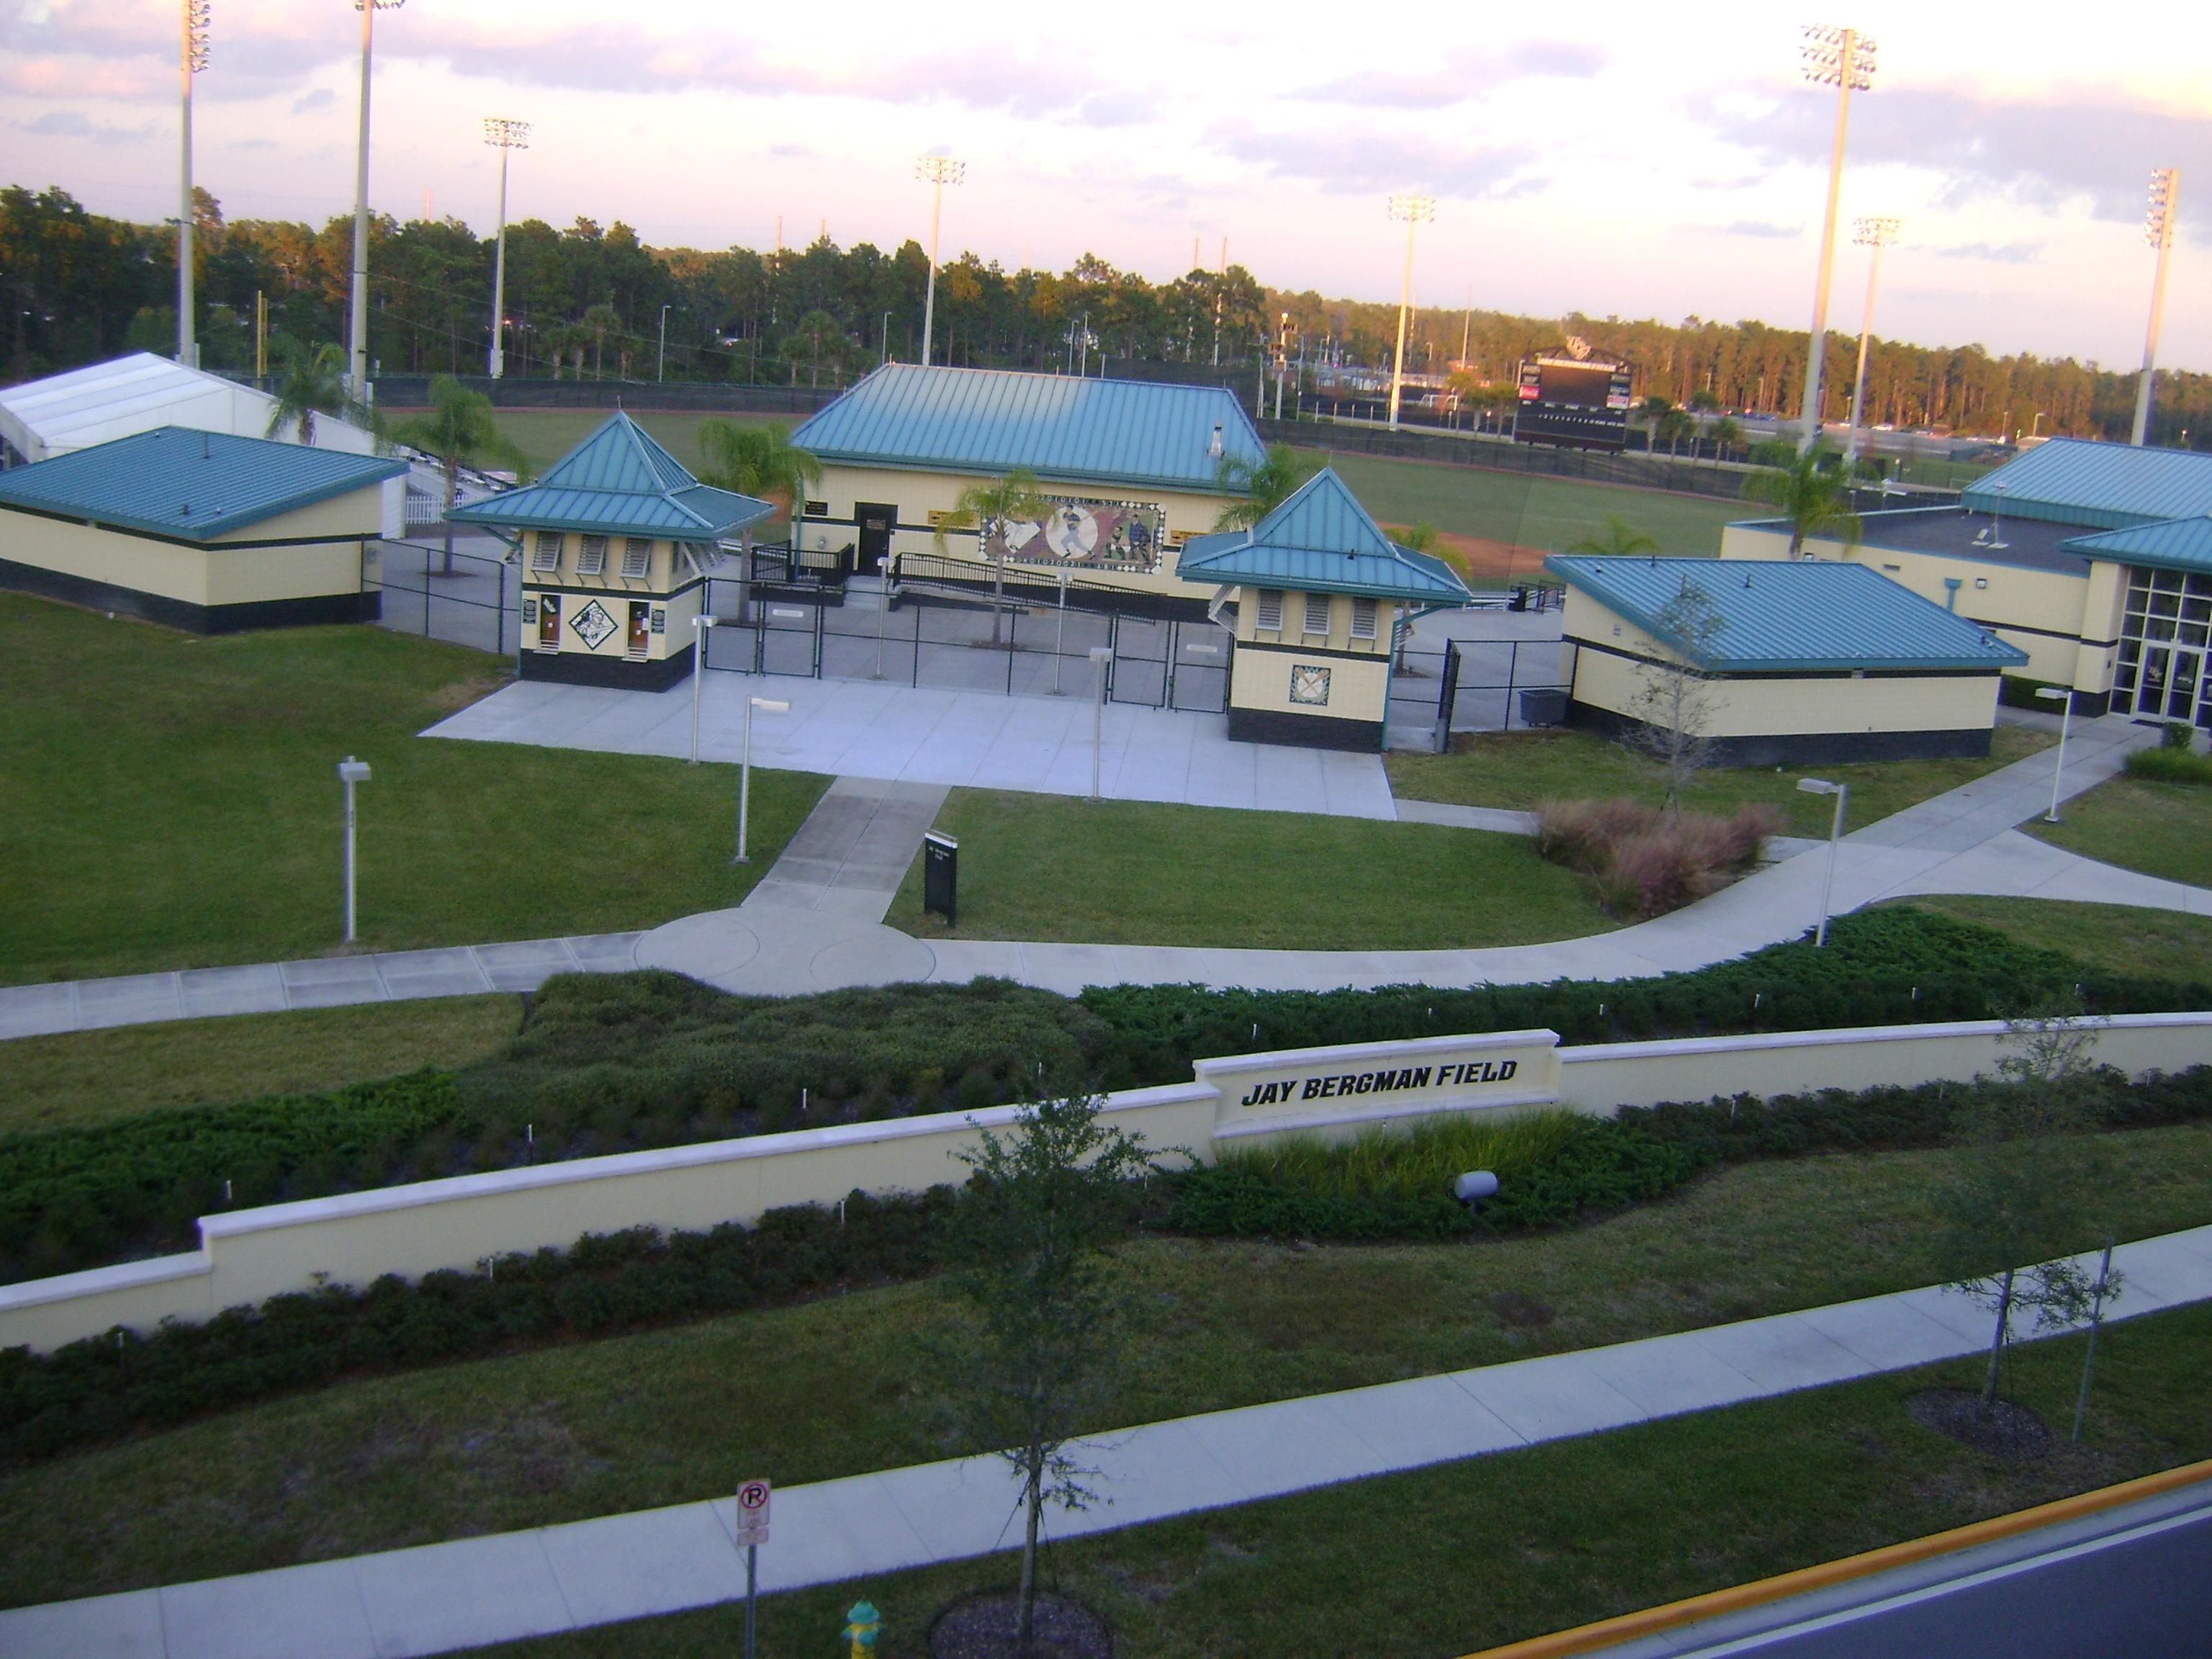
503	136
936	172
1876	234
358	305
2158	231
1413	210
192	60
1844	59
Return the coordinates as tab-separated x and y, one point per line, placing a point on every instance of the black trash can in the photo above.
1544	706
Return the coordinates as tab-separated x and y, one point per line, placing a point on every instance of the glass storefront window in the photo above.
2165	638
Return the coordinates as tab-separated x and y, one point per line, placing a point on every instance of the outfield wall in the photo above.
248	1255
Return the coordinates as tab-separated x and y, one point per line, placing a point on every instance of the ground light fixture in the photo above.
1411	210
192	59
2058	694
700	624
1842	58
767	706
2158	231
1875	234
936	172
1475	1185
1101	659
350	772
1842	792
357	301
503	136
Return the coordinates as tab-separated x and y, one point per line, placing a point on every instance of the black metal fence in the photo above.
472	600
1478	685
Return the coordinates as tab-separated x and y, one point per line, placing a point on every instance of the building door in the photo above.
876	521
548	622
641	627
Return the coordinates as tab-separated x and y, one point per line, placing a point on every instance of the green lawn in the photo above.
2120	938
170	801
835	1387
546	434
1134	873
2161	829
1521	769
91	1077
1474	1554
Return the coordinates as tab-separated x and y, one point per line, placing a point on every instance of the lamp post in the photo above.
1844	59
700	624
357	302
2065	695
503	136
883	604
1842	792
1101	657
1060	634
350	772
936	172
745	769
1413	210
192	60
2158	231
1876	234
660	365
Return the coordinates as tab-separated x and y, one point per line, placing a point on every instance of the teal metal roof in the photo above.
2096	485
1322	540
1782	616
619	482
2176	544
1059	427
175	481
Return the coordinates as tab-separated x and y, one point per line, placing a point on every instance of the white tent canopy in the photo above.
41	419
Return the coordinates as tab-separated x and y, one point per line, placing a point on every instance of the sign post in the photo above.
941	876
752	1533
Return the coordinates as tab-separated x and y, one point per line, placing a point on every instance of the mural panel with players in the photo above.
1091	535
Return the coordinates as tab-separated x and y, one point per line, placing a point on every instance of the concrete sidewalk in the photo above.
441	1597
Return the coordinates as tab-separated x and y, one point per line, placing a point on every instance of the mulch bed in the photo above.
983	1626
2004	1429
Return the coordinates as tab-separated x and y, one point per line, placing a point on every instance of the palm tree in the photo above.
311	381
1267	482
986	506
1621	540
460	430
817	338
1726	434
600	321
1673	425
1812	499
1651	409
758	459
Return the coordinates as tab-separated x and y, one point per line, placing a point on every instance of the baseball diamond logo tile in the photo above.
593	624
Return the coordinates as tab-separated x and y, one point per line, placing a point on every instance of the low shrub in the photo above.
1416	1159
1647	861
2169	763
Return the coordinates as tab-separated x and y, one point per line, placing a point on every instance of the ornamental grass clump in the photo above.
1409	1160
1647	861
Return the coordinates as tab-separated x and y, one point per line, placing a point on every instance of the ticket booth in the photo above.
1318	592
616	542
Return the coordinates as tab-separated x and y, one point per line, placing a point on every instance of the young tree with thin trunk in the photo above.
987	507
1047	1318
1811	496
1265	483
460	430
1675	711
310	381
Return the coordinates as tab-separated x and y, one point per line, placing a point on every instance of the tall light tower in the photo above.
936	172
1413	210
193	59
2158	231
1844	59
1876	234
504	136
357	309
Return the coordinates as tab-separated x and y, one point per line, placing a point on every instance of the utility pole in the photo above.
504	136
1844	59
192	60
936	172
1413	210
1875	234
2158	231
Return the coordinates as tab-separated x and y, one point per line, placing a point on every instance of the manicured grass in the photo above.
92	1077
2121	939
835	1387
2160	828
546	434
1521	769
1134	873
168	801
1471	1555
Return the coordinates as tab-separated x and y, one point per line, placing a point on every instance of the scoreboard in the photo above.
1578	402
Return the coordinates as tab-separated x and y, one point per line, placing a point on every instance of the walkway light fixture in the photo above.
2158	231
1844	59
1412	211
1101	659
503	136
1875	234
746	771
1842	792
700	624
350	772
936	172
192	60
357	303
2065	695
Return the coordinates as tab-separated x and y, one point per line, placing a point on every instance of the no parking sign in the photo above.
752	1514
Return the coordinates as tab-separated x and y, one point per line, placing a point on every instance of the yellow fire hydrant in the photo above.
862	1625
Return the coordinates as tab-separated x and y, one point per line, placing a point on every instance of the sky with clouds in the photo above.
1637	160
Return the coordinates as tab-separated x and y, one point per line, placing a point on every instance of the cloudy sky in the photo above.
1643	160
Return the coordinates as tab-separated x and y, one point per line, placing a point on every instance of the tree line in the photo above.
588	300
